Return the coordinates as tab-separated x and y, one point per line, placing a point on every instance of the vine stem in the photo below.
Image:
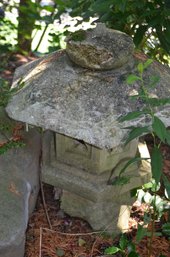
152	227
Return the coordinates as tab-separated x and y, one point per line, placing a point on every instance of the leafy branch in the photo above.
157	127
149	192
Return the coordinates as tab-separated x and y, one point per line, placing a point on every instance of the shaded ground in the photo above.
73	237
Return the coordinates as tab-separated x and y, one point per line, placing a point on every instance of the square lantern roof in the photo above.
84	103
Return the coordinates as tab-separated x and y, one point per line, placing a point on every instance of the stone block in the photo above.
111	216
90	158
88	194
87	185
92	186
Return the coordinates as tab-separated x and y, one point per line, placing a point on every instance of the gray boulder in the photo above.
19	187
100	48
14	195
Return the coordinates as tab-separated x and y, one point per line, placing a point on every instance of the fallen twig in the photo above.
72	234
92	249
43	197
40	246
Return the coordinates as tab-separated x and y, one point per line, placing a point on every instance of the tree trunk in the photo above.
26	21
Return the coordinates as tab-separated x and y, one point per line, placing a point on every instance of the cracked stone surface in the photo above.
56	94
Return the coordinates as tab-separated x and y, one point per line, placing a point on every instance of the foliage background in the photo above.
147	21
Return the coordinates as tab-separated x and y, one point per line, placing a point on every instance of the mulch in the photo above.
73	237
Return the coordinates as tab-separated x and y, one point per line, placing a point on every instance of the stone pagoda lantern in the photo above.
77	95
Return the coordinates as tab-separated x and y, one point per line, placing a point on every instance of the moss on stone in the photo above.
79	35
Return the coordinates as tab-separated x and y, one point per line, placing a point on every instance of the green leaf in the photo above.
122	5
168	136
155	187
153	81
166	228
156	163
159	129
132	115
131	161
158	102
131	247
147	63
167	33
101	6
120	180
147	219
123	242
137	132
152	185
162	39
148	185
133	254
140	68
141	232
140	32
166	185
48	8
112	250
106	16
132	78
133	192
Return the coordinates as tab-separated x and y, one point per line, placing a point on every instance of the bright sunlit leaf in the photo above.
112	250
132	78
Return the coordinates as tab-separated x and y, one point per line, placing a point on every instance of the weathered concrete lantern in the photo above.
77	95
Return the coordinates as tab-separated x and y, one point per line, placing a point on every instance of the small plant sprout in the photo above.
125	248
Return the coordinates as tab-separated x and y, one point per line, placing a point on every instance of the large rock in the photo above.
91	50
14	195
19	187
56	94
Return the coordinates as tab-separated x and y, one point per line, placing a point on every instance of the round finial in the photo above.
100	48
